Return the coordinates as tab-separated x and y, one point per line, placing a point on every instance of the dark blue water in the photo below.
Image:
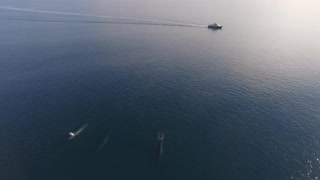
240	103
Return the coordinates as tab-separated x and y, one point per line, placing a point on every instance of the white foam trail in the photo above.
97	22
95	15
81	129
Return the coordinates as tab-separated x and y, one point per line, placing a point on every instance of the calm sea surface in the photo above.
237	103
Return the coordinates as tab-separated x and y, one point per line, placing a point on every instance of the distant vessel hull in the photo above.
215	27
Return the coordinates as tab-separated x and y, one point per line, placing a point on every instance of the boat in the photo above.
72	135
214	26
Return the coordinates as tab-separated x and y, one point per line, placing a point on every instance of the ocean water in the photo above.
237	103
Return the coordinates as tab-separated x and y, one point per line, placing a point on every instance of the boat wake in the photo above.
82	128
98	22
136	21
105	141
